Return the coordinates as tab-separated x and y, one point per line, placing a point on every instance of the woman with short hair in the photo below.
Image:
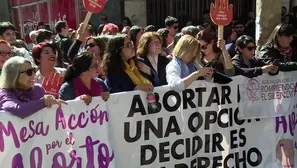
183	70
19	95
245	62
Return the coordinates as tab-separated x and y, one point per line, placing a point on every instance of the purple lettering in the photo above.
10	130
101	116
104	160
60	119
40	130
280	120
292	123
60	155
69	140
17	161
39	158
90	151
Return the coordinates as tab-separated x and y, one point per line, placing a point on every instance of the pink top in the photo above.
81	89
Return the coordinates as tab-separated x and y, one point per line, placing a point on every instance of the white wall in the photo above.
136	11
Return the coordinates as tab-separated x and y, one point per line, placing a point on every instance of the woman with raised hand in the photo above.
81	80
19	95
51	77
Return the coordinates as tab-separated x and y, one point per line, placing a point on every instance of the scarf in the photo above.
186	69
22	95
134	73
286	53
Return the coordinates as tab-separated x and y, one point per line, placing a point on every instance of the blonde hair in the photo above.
11	71
186	45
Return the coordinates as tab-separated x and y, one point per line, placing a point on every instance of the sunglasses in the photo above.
30	71
250	48
4	53
91	45
204	47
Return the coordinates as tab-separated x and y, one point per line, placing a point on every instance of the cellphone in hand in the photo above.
276	62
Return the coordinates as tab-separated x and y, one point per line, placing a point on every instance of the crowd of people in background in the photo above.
76	64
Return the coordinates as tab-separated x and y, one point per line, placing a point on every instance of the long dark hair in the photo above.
81	63
133	33
281	30
112	60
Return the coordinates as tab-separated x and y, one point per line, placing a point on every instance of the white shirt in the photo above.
154	62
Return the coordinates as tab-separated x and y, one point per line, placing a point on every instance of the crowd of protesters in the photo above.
74	64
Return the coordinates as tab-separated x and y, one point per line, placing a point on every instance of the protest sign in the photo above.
199	127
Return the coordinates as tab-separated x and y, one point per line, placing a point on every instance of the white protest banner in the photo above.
74	136
197	128
268	96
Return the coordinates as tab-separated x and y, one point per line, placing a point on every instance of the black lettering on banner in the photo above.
233	139
193	163
220	121
182	165
242	137
200	99
207	143
227	158
136	101
210	118
127	136
172	127
226	91
203	162
259	157
164	152
143	152
197	141
148	125
217	161
236	117
217	140
192	127
188	145
213	97
175	155
188	99
239	160
165	101
238	94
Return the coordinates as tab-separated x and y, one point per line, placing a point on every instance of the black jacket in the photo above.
162	63
269	53
254	70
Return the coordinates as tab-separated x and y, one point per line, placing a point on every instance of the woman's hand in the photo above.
50	100
86	98
105	95
221	44
269	68
144	68
80	33
145	87
206	72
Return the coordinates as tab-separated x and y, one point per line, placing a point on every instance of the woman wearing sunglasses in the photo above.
51	77
245	62
214	53
119	64
18	93
81	80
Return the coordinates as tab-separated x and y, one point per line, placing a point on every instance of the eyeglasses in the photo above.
30	71
204	47
4	53
91	45
250	48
